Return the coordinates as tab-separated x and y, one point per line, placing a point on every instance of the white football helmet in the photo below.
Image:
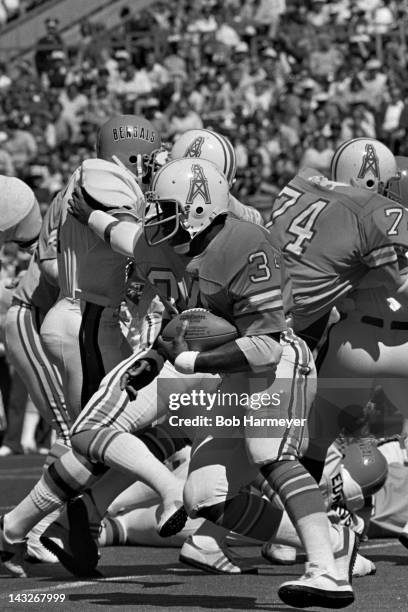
206	144
20	216
365	162
187	194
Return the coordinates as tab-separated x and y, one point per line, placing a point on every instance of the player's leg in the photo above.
277	453
346	366
26	354
105	433
70	473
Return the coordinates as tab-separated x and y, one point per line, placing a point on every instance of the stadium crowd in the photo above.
286	81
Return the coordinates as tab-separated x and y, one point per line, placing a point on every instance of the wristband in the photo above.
185	362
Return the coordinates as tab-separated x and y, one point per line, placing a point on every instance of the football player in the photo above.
239	276
332	234
367	348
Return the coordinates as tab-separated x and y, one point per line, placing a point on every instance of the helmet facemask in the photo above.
162	221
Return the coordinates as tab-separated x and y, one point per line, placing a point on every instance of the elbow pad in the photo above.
261	352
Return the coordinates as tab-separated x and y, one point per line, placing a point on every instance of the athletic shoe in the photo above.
171	519
363	567
215	561
74	545
6	451
278	554
316	588
36	552
12	554
346	552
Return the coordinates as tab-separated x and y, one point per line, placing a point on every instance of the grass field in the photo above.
152	579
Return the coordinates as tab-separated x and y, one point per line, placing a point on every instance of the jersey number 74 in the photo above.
302	227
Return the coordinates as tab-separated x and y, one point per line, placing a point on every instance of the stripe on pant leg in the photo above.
91	358
35	355
96	408
291	440
54	384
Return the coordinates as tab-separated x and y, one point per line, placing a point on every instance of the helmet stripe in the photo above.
229	156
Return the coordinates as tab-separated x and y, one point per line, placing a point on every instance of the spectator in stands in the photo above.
51	41
21	144
373	81
73	104
182	118
318	155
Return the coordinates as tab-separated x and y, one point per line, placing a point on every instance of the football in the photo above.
205	330
367	465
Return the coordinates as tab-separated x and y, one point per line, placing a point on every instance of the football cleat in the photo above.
12	554
278	554
363	567
316	588
171	519
74	545
214	561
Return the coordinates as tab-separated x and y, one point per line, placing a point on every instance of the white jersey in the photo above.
88	268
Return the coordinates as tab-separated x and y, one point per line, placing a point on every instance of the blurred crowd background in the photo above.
285	80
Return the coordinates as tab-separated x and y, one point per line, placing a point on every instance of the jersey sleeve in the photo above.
255	291
47	244
385	232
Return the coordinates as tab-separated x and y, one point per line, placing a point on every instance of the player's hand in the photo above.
78	207
141	373
171	349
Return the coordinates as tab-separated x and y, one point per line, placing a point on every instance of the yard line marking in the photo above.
75	585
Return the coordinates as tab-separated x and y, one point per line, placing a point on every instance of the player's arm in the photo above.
120	229
257	305
250	353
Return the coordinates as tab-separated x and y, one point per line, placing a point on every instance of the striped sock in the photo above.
296	488
246	514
